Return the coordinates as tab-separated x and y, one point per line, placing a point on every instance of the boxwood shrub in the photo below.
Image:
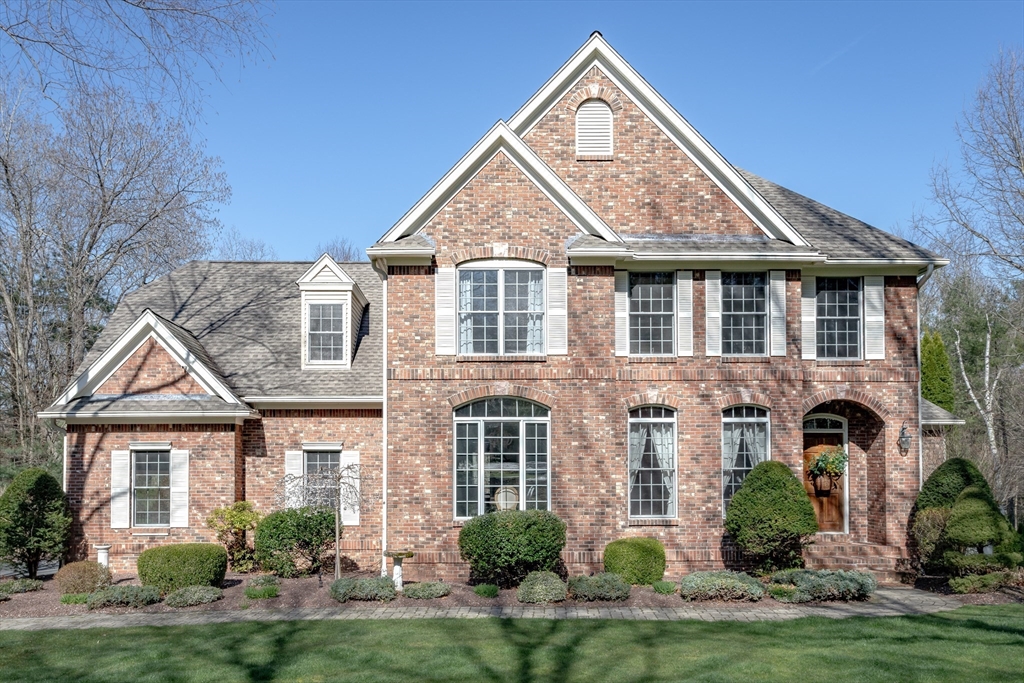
639	561
503	547
294	541
720	585
541	587
426	591
123	596
171	567
193	595
806	585
604	586
85	576
377	589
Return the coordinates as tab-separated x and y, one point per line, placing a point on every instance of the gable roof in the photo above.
597	52
933	415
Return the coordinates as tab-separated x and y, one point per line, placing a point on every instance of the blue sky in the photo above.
363	107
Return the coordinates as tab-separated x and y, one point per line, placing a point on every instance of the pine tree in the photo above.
936	372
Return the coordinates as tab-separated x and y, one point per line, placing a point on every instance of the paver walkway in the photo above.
886	602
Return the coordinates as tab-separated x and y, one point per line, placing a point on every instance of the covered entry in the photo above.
829	496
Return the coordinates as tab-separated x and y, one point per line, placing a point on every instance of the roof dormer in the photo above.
332	310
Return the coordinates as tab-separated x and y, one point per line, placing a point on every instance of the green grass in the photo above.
972	643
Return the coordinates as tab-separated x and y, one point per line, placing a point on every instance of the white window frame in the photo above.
345	300
481	500
845	430
767	315
501	266
675	458
861	339
673	313
767	420
132	487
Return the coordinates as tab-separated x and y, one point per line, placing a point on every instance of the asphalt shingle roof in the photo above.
933	414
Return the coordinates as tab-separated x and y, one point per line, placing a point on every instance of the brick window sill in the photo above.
149	532
595	157
841	363
750	359
657	360
653	522
501	359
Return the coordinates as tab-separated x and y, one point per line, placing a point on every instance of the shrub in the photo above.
20	586
771	518
341	590
486	590
35	521
123	596
264	580
927	530
85	576
74	598
294	541
720	585
171	567
4	596
426	591
639	561
541	587
193	595
664	587
377	589
947	482
605	586
503	547
975	521
962	564
808	584
979	584
232	523
262	592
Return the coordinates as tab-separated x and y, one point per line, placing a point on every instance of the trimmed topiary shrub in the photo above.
191	596
85	576
664	587
720	585
604	586
377	589
74	598
171	567
503	547
639	561
426	591
35	521
20	586
771	518
963	564
975	521
979	583
806	585
541	587
294	542
948	481
486	590
341	589
124	596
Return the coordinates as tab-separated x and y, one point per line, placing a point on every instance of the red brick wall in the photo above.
150	370
933	446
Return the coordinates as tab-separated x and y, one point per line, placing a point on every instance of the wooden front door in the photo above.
830	509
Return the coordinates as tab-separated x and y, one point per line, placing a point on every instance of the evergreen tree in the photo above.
936	372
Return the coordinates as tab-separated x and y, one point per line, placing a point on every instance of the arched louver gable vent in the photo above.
594	129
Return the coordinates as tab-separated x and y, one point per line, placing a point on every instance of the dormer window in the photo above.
332	310
326	332
594	130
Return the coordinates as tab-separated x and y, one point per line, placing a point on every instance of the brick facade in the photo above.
150	370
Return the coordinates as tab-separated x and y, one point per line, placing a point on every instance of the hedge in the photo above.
720	585
377	589
503	547
123	596
806	585
294	541
171	567
639	561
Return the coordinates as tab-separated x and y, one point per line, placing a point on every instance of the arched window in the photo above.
502	448
594	129
652	462
744	444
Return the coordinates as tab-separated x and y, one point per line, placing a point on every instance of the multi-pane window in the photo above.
501	311
651	313
838	317
322	460
744	445
502	452
151	488
652	462
744	314
326	332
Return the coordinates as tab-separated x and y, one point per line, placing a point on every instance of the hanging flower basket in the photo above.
823	485
826	470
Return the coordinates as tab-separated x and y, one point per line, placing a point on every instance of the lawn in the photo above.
972	643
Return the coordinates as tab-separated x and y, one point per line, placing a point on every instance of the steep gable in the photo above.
150	370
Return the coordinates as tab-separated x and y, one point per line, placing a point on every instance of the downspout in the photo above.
381	266
920	399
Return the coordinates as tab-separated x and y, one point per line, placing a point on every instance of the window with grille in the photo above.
151	488
501	311
744	445
502	449
744	314
838	315
326	334
652	462
594	129
651	314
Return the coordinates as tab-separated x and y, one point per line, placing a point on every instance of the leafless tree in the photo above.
233	246
340	249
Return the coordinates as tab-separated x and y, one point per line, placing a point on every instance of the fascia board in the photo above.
728	256
938	263
597	52
325	260
941	423
500	138
153	417
388	253
353	402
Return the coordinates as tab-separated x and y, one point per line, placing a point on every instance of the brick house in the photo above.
593	312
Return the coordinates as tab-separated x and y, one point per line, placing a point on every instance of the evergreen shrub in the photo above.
979	583
927	532
540	587
503	547
171	567
35	521
124	596
74	598
193	595
341	590
806	585
606	586
84	576
20	586
936	372
426	591
720	585
639	561
664	587
486	590
975	521
377	589
948	481
294	541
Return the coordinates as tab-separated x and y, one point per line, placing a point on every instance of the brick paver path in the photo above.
886	602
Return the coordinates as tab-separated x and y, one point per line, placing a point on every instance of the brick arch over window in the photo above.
845	393
460	256
654	397
501	389
745	397
594	92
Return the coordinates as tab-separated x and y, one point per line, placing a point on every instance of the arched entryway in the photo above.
824	433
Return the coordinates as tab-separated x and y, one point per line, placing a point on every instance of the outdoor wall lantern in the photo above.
904	438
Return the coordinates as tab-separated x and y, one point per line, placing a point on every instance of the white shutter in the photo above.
874	317
713	308
350	489
684	312
294	466
593	129
179	488
444	311
808	317
621	313
777	311
558	334
120	485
